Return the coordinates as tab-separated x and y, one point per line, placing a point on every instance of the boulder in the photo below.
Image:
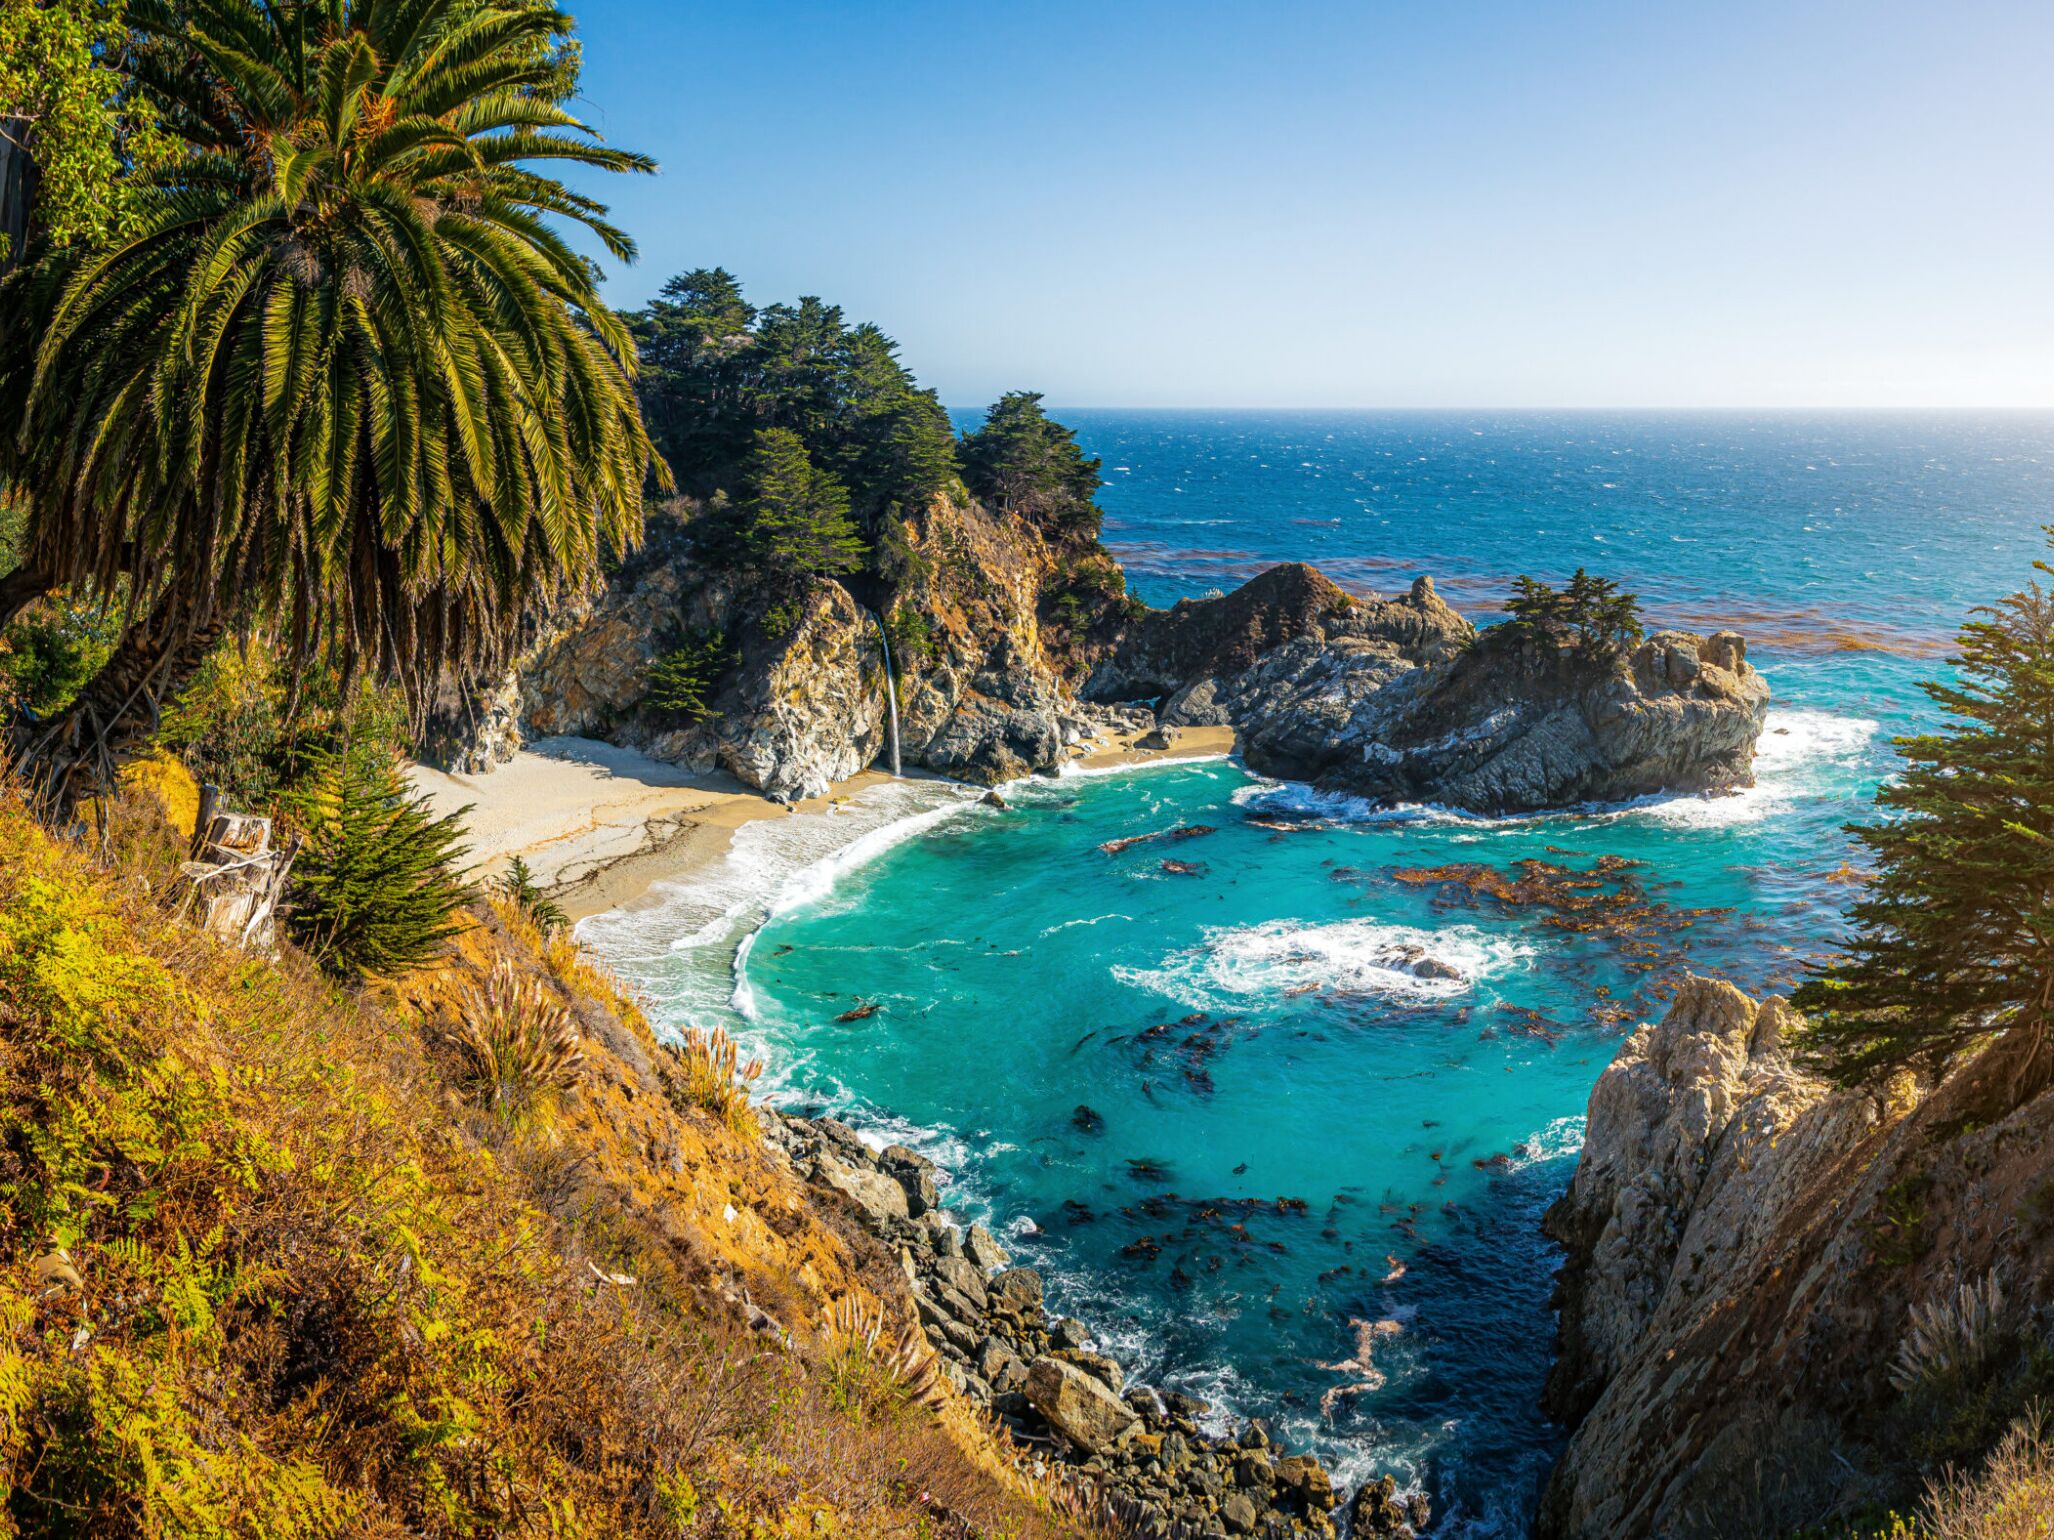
963	1276
1079	1406
1306	1480
1378	1510
987	1253
876	1194
1066	1331
1097	1365
913	1172
1018	1289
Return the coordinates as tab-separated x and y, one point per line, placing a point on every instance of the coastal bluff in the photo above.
1011	650
1778	1295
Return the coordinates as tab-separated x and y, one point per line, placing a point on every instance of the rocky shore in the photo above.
1146	1452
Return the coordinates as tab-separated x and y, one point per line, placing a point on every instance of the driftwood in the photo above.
236	879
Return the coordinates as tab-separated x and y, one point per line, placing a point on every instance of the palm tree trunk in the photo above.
19	589
78	752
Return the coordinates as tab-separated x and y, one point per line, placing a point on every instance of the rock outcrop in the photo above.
801	706
988	695
1404	701
1747	1247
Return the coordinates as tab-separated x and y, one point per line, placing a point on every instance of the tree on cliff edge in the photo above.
797	514
1027	463
1954	938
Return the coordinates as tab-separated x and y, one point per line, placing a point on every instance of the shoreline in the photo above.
601	826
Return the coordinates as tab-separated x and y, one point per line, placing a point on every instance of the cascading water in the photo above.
891	690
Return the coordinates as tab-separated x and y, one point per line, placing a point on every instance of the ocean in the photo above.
1221	1109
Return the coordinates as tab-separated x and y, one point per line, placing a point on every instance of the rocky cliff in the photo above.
1784	1302
985	685
1404	701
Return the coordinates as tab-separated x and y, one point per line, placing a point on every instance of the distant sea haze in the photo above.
1310	1085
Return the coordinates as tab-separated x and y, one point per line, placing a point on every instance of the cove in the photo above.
1243	1094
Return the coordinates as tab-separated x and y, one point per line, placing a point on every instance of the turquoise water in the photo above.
1220	1107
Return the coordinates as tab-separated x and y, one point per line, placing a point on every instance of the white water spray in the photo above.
891	689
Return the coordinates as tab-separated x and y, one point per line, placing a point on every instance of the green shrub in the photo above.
681	681
517	886
912	636
229	727
374	888
782	618
52	649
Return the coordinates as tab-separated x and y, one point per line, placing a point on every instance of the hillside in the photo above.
275	1267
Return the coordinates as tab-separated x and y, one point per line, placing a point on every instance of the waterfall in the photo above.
891	691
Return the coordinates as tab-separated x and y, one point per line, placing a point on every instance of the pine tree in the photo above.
797	515
1604	618
1954	938
1600	617
374	887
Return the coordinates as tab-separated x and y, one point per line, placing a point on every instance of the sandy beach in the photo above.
600	825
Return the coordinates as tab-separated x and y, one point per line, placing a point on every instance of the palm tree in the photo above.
345	379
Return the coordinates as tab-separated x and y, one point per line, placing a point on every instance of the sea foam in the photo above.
1799	754
1280	957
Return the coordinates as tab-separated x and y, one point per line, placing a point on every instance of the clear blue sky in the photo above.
1434	202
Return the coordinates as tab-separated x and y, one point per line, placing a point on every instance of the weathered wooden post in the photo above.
237	878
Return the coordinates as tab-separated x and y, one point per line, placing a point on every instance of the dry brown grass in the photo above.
513	1043
318	1291
2012	1498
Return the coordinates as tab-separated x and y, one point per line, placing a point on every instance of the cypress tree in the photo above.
1027	463
797	515
1953	941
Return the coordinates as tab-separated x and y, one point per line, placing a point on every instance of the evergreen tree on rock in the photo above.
1953	942
796	517
1028	464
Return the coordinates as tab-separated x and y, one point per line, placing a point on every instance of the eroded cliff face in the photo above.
1746	1250
993	696
985	692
